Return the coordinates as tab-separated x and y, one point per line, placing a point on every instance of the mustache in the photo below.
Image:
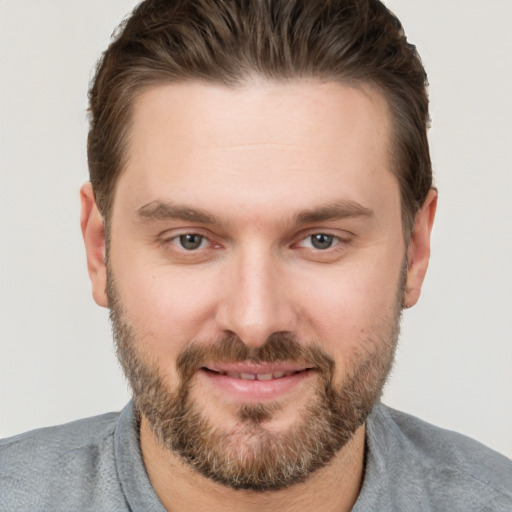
279	347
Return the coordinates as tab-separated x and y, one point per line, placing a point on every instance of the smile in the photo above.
245	382
256	376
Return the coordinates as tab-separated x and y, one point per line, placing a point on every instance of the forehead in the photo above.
258	143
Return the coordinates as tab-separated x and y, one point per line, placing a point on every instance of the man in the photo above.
259	213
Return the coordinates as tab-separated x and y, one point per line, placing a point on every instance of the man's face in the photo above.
257	271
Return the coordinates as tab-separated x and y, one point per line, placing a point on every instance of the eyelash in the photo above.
178	241
333	240
182	240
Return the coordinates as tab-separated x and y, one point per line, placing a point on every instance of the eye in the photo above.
319	241
191	241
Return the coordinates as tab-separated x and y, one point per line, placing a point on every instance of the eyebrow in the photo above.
160	211
157	210
336	211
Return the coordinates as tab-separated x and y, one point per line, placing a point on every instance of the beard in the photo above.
249	455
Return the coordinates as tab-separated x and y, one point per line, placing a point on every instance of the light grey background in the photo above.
56	357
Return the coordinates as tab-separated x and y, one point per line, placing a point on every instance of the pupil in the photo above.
191	241
321	241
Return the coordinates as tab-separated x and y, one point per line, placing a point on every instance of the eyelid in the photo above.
336	241
173	233
171	237
177	241
343	237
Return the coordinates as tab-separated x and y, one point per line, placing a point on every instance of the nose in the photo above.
256	301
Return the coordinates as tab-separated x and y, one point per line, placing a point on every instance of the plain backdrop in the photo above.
454	364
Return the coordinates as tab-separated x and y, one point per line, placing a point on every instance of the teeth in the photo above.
258	376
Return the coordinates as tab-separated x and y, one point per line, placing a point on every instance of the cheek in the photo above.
167	307
344	307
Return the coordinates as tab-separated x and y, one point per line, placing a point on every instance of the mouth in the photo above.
256	376
256	382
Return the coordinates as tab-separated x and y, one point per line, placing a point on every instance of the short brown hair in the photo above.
227	41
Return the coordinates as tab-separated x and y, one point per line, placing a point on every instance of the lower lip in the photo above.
256	390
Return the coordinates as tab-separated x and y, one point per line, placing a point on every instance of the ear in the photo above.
93	231
418	252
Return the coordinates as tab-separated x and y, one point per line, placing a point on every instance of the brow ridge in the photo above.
335	211
160	211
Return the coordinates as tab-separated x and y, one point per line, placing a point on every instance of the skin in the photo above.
258	159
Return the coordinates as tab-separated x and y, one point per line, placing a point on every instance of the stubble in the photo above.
249	455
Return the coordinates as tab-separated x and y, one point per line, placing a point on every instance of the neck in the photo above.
334	487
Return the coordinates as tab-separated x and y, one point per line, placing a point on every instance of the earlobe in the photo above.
418	252
93	232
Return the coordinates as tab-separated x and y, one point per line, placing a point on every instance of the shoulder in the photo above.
33	463
444	463
440	447
42	447
66	433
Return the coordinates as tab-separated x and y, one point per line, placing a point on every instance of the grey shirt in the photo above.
96	465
